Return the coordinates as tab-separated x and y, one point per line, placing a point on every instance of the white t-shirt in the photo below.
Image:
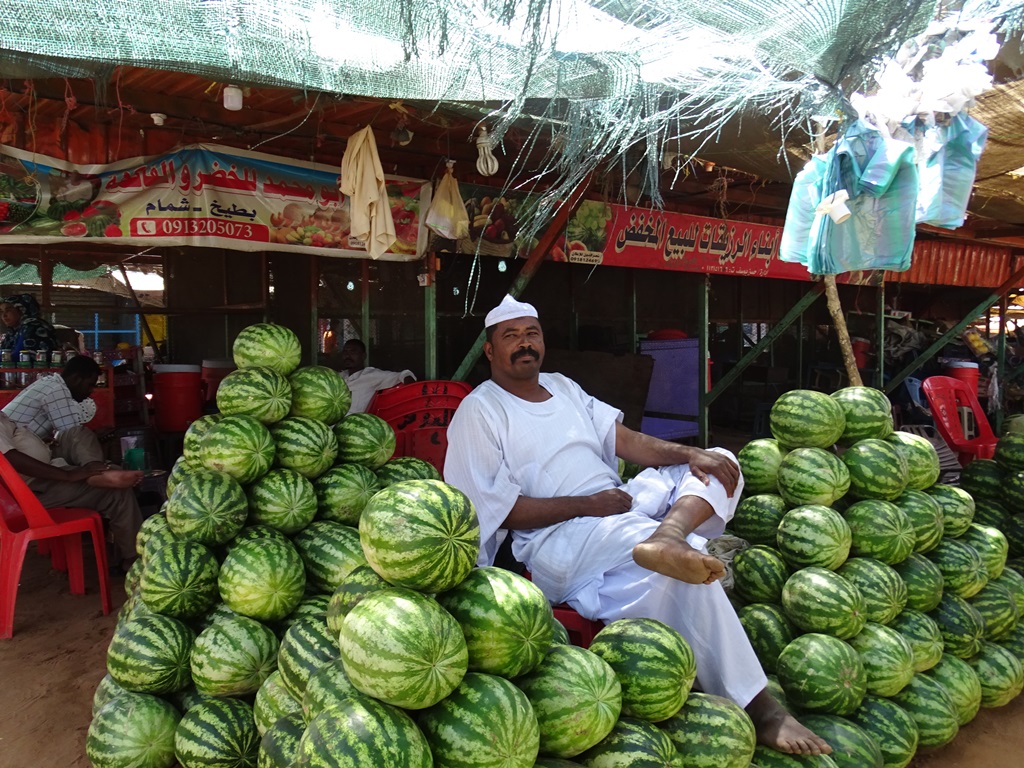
365	382
500	448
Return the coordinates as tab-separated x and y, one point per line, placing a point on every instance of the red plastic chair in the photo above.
22	520
946	396
581	631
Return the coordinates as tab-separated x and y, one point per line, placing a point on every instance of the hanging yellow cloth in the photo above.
362	180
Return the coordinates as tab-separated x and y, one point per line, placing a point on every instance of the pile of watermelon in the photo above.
882	603
304	599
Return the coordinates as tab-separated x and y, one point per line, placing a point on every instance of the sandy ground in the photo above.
49	670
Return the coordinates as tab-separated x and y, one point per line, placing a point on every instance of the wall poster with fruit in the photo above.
495	219
197	195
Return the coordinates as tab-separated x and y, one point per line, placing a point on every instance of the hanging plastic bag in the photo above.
447	215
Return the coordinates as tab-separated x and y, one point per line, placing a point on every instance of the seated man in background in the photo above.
537	456
364	381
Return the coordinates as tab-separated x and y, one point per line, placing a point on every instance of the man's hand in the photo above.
704	463
614	501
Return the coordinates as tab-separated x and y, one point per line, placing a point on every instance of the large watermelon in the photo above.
261	393
821	673
263	579
421	534
208	507
812	476
305	445
766	757
106	690
868	413
343	491
963	570
757	517
506	621
925	638
991	544
239	446
632	744
921	457
403	648
282	499
884	593
326	688
307	646
928	703
852	746
194	435
759	573
319	393
279	746
925	516
957	508
924	582
217	732
961	683
819	600
180	580
133	729
273	701
1000	673
366	439
769	632
881	530
990	512
804	418
1010	452
891	727
150	654
486	722
759	461
233	657
961	625
360	582
983	479
576	698
267	345
711	732
405	468
877	470
1014	584
814	535
887	657
329	552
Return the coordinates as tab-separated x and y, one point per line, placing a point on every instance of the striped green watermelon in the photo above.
282	499
366	439
961	683
812	476
216	733
1013	530
361	732
766	757
757	517
343	491
319	393
818	600
881	530
329	552
314	605
1014	584
957	508
999	610
106	690
867	411
928	703
559	634
884	593
759	573
133	729
149	526
759	461
1000	673
852	746
963	570
921	457
1010	452
261	393
814	535
401	647
961	625
360	582
891	727
555	762
274	701
768	630
180	580
983	479
887	657
1012	490
179	469
194	436
255	533
405	468
421	534
804	418
306	647
925	638
326	688
1014	642
990	544
632	744
925	516
267	345
217	612
208	507
486	722
185	699
262	579
924	582
279	746
821	673
990	512
653	663
877	470
232	657
158	537
239	446
305	445
505	619
711	732
150	654
576	697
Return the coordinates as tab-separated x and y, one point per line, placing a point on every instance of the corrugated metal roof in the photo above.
945	262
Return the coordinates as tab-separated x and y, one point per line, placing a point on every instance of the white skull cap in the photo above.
508	310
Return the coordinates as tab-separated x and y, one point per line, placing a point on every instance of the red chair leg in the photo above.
99	546
11	561
58	555
71	544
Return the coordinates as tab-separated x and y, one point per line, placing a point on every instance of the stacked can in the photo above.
97	356
10	378
25	375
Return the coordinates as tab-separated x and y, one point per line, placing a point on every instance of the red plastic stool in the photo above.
581	631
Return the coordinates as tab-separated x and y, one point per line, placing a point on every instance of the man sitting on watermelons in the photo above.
538	456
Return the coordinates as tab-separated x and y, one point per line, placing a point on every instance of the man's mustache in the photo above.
525	352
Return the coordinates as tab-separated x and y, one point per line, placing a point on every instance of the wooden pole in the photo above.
835	309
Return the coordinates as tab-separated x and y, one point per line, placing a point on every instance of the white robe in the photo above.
365	382
501	447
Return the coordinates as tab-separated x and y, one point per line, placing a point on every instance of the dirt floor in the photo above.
49	670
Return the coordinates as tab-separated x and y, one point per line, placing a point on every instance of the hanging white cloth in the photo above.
362	180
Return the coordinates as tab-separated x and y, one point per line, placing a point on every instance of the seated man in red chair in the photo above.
537	456
363	381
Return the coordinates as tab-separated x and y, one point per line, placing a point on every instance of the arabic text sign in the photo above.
197	196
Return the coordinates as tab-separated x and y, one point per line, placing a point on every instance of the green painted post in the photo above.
364	309
880	337
1001	365
703	299
430	320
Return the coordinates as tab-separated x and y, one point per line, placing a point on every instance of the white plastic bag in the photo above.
447	215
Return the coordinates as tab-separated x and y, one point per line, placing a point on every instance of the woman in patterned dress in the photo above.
26	330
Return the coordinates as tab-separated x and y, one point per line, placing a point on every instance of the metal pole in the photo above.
430	319
314	309
880	337
703	400
364	308
1001	364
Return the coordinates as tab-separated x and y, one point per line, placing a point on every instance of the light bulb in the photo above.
233	98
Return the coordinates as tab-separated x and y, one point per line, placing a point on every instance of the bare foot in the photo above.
778	729
677	559
115	478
